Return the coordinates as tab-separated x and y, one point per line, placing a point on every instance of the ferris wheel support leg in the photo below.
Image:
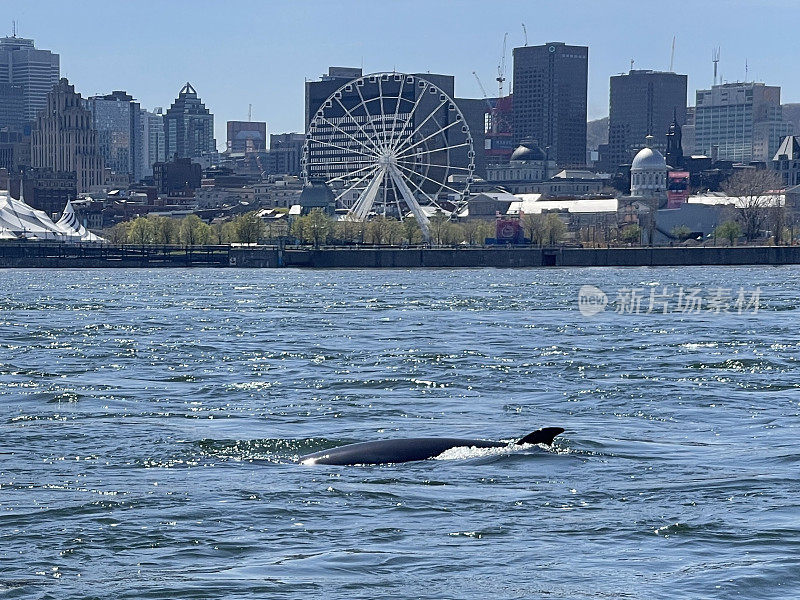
365	201
412	203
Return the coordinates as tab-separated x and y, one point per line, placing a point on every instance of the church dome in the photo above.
648	159
528	151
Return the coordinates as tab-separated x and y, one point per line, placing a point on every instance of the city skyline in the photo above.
253	56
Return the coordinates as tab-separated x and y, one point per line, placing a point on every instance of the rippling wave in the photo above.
150	423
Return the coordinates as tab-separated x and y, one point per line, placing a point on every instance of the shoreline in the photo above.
52	255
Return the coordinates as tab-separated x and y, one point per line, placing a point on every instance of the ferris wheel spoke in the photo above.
351	173
411	201
332	145
432	150
439	183
410	115
418	127
355	139
357	183
366	199
397	110
376	141
375	149
383	113
425	139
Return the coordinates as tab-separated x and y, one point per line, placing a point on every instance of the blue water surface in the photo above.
150	422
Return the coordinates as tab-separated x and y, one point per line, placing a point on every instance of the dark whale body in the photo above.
410	449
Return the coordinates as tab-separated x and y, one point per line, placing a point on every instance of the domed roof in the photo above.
649	159
528	150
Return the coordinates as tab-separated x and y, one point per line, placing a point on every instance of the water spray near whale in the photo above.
412	449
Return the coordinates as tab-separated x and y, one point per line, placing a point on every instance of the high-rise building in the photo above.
550	86
188	126
247	136
643	103
741	122
63	139
12	106
115	117
35	71
151	140
319	91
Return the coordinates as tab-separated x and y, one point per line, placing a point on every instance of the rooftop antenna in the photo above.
249	112
13	29
525	33
632	61
746	71
672	56
715	60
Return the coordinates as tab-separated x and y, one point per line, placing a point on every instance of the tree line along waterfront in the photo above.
319	229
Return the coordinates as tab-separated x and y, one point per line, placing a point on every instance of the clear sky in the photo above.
259	52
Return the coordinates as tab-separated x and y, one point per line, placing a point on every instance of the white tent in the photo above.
21	221
24	221
71	226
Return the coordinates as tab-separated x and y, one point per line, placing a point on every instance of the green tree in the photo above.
486	229
248	228
194	231
394	232
536	228
165	229
730	230
316	227
141	231
681	232
631	234
438	227
118	234
556	229
411	231
377	229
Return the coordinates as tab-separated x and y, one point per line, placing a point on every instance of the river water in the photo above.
150	421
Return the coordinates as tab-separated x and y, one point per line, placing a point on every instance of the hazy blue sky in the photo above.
260	52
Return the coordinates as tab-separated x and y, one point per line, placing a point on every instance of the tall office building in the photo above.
319	91
151	140
35	71
549	108
115	117
188	126
643	103
63	140
12	106
741	122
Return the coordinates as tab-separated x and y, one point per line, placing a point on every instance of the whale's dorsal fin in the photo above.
545	436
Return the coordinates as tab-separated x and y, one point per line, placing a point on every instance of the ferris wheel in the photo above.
391	144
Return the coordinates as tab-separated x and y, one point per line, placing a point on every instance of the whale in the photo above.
413	449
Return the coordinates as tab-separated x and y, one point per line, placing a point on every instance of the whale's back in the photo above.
392	451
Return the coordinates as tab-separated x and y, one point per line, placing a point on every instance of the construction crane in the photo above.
501	69
672	56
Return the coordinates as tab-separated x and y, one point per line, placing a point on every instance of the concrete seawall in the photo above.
49	255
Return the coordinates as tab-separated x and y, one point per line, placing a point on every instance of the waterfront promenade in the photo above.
53	255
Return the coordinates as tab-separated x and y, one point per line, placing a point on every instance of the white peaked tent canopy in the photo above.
21	221
70	224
